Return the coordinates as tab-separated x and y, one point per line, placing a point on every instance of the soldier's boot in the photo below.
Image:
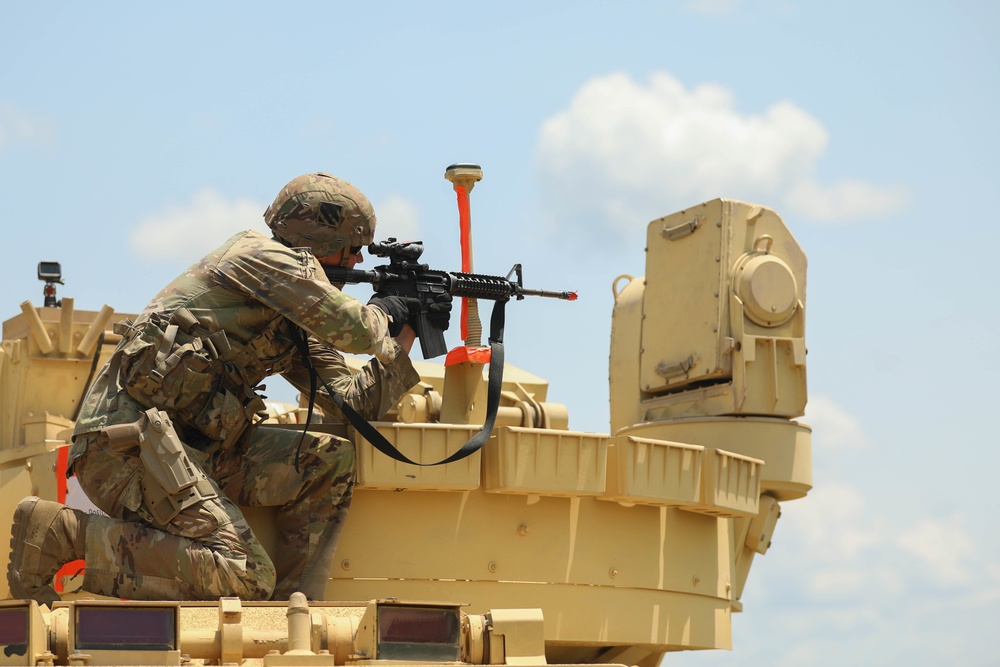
45	536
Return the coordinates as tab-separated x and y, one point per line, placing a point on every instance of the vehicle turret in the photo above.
547	546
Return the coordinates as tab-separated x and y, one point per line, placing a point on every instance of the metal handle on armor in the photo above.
681	230
684	367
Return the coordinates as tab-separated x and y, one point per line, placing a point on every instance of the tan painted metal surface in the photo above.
549	545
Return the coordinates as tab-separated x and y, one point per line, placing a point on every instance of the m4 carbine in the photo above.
405	276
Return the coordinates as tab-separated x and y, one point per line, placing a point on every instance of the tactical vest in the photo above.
203	379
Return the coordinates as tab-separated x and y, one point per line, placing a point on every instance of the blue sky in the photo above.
134	136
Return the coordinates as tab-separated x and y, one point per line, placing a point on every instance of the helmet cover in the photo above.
323	213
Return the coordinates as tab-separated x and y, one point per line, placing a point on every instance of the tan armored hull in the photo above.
548	545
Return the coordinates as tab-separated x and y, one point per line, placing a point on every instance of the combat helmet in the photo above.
323	213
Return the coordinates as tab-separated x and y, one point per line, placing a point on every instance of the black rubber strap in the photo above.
313	375
476	442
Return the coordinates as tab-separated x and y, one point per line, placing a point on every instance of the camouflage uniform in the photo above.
196	352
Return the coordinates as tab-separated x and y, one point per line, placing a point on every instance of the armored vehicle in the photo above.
546	546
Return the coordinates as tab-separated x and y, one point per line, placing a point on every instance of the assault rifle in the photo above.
405	276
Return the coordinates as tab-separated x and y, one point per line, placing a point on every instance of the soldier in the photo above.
166	442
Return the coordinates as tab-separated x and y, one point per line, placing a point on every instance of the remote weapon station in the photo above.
540	545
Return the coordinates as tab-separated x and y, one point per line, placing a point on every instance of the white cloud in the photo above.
846	547
187	232
623	153
943	547
17	125
839	549
398	217
844	564
855	547
832	426
830	524
836	582
845	200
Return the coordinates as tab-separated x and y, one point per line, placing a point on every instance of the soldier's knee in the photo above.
257	583
345	454
338	453
264	584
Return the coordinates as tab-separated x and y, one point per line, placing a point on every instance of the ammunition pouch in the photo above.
171	481
202	379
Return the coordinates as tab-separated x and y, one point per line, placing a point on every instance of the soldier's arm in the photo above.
372	391
292	283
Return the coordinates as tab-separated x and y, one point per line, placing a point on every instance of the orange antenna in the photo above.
463	177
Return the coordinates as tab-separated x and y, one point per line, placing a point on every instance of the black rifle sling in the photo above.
475	443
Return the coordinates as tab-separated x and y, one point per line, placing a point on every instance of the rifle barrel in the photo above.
552	294
353	276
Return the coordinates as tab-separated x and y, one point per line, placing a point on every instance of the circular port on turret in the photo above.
768	290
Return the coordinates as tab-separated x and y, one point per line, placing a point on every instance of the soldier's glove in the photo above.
439	311
399	309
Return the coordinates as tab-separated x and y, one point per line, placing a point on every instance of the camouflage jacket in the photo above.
245	311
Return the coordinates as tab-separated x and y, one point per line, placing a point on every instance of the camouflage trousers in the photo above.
208	550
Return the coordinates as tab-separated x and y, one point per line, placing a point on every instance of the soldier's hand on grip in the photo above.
439	311
399	309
